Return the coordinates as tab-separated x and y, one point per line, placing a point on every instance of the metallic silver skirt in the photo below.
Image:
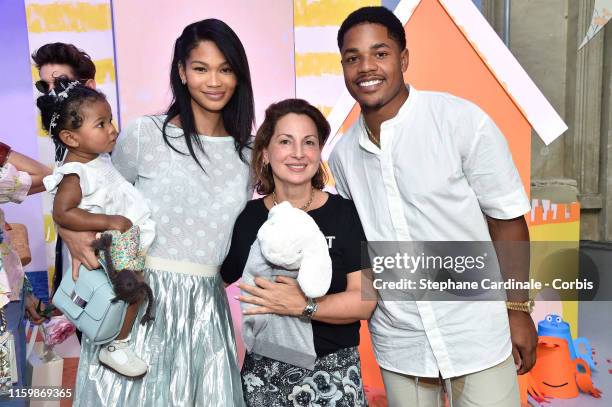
189	347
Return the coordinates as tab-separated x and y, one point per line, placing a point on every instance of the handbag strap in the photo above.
3	321
33	336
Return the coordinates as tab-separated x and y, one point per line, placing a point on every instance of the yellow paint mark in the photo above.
79	17
105	71
39	127
555	232
317	64
324	109
557	256
49	228
326	12
570	315
50	276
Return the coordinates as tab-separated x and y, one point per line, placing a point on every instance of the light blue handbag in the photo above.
87	304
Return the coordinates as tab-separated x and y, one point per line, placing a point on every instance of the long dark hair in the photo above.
239	113
60	109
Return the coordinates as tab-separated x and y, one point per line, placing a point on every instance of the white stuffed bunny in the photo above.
291	239
289	244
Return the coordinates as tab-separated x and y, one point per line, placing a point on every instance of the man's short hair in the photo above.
66	54
375	15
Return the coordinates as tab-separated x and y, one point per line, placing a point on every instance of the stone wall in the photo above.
544	37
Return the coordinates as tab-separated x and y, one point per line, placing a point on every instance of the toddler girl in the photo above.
91	195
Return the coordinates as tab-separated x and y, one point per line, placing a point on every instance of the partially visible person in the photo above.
191	166
21	176
59	59
287	167
429	166
15	185
36	170
53	61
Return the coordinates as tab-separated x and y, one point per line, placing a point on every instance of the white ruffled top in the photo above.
105	191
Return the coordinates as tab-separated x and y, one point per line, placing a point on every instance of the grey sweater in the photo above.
283	338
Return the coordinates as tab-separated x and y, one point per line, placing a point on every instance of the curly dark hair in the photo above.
66	54
374	15
262	175
67	109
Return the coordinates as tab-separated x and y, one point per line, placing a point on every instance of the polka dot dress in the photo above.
190	346
194	209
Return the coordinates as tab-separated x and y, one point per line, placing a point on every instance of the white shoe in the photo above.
118	356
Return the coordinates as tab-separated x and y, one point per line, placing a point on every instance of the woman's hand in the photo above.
36	170
79	244
283	297
31	303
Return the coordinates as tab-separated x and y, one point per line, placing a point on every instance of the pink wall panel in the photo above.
145	31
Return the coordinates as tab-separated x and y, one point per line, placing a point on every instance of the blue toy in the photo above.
554	325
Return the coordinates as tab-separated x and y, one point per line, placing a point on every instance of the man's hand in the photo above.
79	245
524	340
511	239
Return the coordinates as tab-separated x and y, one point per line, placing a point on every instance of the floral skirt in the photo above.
335	381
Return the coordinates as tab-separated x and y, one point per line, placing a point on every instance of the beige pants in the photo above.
496	386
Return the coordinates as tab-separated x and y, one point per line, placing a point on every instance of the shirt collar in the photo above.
364	140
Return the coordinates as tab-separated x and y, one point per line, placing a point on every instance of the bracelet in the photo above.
310	309
5	150
526	306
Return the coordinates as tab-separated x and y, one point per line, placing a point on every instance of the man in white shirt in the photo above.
428	166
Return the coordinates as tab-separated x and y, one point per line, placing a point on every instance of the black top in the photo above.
339	222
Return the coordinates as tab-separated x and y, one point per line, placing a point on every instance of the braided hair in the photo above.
60	109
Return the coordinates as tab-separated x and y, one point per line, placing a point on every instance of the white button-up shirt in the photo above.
441	164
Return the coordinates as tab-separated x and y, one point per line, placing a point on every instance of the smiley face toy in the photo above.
556	374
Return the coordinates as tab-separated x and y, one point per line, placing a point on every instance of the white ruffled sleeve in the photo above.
87	179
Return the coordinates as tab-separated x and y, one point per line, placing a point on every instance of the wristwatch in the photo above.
310	309
526	306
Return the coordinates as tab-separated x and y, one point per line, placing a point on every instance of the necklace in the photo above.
370	135
305	207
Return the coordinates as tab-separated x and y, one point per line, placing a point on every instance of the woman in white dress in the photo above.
191	165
